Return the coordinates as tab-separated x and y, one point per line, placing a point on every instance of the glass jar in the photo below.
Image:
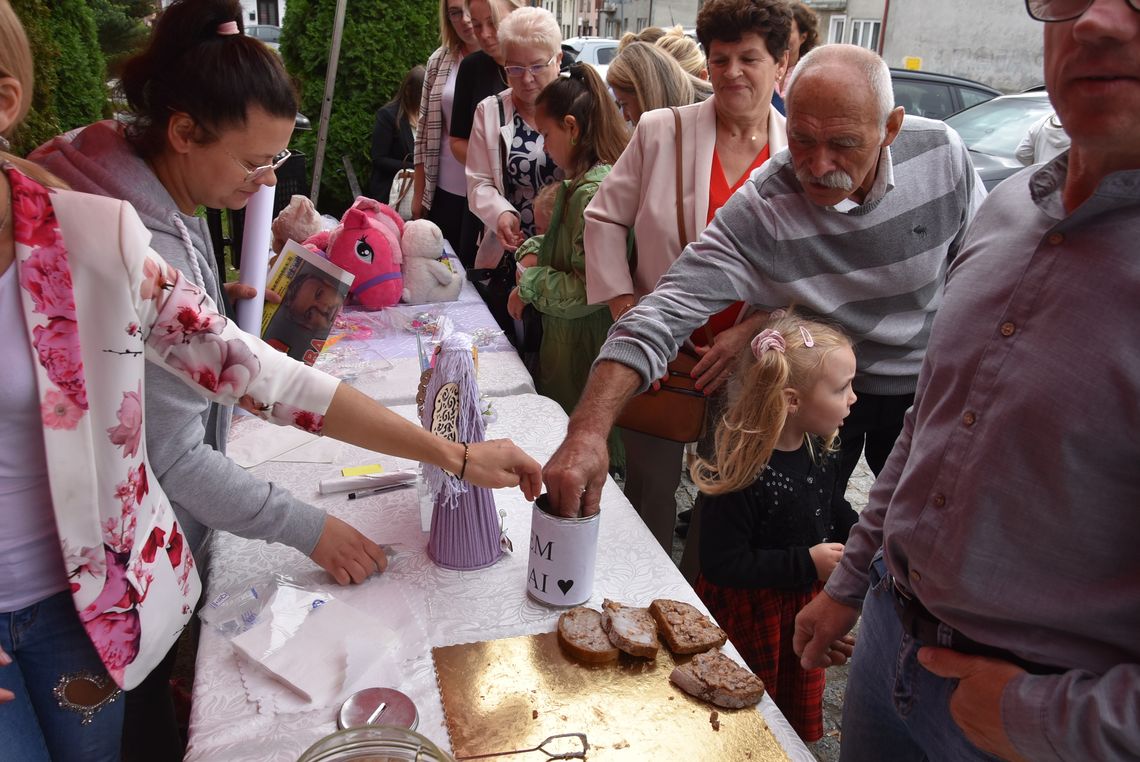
375	743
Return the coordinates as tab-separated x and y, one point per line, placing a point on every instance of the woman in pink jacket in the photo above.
98	581
721	141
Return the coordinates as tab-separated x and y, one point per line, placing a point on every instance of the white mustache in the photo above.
836	178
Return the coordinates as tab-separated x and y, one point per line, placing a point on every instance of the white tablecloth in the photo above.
456	607
385	365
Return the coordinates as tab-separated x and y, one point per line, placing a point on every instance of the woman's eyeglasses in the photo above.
534	70
456	14
1064	10
253	174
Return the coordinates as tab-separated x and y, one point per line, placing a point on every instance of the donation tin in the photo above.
562	555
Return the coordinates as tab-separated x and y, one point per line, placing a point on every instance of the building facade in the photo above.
257	11
576	18
994	43
616	17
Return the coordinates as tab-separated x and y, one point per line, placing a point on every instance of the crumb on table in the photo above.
714	719
534	714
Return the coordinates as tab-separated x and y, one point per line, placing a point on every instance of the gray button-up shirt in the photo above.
1011	503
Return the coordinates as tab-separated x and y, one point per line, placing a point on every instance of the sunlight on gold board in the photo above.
510	694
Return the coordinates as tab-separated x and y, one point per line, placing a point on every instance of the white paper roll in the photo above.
255	258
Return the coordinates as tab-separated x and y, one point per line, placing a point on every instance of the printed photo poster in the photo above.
312	292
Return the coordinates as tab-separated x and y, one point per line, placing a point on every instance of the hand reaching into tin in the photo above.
500	463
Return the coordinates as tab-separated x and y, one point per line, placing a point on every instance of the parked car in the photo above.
267	33
596	51
992	131
937	96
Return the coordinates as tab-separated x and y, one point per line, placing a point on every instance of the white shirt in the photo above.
31	562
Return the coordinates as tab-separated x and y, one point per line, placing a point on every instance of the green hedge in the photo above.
69	67
382	40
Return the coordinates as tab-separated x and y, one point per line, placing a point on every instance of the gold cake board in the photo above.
501	695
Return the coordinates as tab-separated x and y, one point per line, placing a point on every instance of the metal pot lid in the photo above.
360	707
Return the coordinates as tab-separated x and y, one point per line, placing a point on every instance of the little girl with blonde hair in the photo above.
772	521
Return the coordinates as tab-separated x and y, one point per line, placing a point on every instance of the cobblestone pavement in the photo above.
827	748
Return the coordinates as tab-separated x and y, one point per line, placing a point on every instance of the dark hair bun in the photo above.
214	76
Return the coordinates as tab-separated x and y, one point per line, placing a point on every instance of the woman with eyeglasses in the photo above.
211	114
506	161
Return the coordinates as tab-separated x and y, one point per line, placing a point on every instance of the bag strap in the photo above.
682	237
502	123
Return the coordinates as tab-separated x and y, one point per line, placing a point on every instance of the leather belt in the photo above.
927	629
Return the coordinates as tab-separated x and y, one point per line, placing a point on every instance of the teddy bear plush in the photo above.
367	244
429	274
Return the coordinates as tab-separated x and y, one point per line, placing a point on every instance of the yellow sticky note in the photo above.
361	470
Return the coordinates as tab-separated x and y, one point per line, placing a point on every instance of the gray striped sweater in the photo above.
877	269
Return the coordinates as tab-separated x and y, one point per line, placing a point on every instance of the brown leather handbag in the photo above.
677	410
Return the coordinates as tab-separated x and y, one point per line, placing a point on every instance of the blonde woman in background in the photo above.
480	75
686	50
440	190
650	34
643	78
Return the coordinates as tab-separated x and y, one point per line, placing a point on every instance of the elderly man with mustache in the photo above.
857	221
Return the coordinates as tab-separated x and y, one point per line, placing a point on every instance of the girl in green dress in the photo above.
583	134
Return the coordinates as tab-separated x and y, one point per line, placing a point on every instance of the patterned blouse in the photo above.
528	170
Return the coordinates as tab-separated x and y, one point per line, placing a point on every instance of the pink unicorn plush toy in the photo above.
367	244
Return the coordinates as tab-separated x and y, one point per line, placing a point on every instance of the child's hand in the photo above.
530	260
826	557
515	306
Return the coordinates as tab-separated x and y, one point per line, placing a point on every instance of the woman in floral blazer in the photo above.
97	303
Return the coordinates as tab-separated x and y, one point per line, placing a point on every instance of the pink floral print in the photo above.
47	278
221	366
129	430
112	619
157	277
33	218
287	415
59	412
185	318
57	345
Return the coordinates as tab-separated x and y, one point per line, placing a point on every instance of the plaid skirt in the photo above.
760	623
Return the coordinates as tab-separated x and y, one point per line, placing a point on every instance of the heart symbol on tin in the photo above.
565	584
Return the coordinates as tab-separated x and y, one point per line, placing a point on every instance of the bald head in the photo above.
842	67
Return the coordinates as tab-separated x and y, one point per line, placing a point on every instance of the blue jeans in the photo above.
894	709
51	654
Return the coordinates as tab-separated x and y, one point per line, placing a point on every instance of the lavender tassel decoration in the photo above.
464	524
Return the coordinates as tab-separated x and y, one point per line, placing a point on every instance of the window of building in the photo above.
865	33
836	28
267	12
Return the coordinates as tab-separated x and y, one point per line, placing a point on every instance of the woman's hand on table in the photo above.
235	292
500	463
346	554
509	230
5	661
515	304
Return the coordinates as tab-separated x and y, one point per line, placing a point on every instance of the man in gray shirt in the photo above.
857	221
1008	511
